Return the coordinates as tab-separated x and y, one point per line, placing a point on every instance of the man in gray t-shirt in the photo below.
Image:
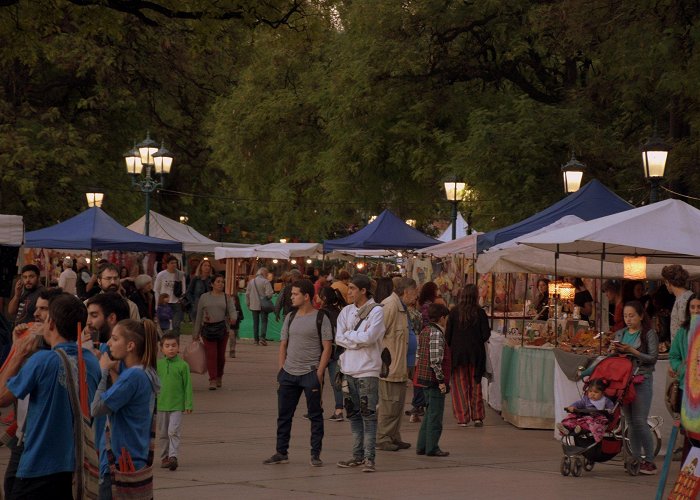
303	356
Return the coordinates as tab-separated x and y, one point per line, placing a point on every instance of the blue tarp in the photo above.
95	230
386	232
592	201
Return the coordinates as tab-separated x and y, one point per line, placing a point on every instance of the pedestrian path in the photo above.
232	430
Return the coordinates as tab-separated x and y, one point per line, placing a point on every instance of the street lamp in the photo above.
94	199
184	219
139	162
572	172
654	155
454	191
411	222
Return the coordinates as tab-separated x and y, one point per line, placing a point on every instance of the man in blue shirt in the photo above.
48	461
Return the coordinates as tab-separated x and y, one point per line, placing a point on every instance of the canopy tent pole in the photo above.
600	307
493	299
522	330
556	298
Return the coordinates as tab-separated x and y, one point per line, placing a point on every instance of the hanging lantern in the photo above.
635	268
572	173
566	291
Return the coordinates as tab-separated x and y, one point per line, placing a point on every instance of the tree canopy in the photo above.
300	119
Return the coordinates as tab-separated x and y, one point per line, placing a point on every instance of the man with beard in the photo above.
104	311
19	428
108	280
23	302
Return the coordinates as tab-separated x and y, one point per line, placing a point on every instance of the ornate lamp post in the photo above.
94	199
654	155
145	157
454	192
572	172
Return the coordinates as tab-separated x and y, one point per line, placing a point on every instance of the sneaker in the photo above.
402	445
562	430
368	466
315	461
263	342
478	423
414	419
353	462
387	447
337	417
438	453
173	463
463	424
420	411
165	463
305	415
212	385
647	468
277	458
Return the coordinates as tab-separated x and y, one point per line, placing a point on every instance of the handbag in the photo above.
266	304
195	355
86	477
674	397
127	483
214	331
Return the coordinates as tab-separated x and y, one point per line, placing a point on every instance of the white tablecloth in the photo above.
566	392
492	390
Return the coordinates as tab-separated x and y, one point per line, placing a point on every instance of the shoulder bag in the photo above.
128	483
86	477
266	304
217	330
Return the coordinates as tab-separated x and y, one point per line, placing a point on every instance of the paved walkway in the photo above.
233	430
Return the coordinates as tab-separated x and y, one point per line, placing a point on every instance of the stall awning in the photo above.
93	229
283	251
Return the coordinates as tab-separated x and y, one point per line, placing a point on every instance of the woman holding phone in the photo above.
640	341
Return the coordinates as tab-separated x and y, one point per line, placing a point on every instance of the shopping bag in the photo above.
196	357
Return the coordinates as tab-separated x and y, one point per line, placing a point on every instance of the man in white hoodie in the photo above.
360	331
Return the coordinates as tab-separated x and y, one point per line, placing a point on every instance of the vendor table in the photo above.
527	382
491	390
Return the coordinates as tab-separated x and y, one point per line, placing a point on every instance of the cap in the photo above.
362	281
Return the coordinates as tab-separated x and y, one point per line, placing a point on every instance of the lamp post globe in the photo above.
654	156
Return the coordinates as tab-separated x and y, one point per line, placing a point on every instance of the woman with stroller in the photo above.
640	341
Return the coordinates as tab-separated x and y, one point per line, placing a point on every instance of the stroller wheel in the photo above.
588	465
577	468
565	468
632	466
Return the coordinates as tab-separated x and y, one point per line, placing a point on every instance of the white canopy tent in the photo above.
357	253
11	230
465	245
462	228
283	251
161	226
667	232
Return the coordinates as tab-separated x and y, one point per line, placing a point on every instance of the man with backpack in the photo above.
305	350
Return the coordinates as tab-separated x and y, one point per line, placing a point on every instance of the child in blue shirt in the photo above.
164	312
175	398
130	402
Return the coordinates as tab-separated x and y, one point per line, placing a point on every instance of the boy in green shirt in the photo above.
175	398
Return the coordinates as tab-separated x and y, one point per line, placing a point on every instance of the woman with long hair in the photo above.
216	315
429	294
130	401
542	304
467	331
199	285
331	304
639	340
385	287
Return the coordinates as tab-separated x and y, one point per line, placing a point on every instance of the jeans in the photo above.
337	394
418	400
178	316
12	465
431	427
288	394
636	413
169	426
259	325
361	408
57	486
105	492
216	356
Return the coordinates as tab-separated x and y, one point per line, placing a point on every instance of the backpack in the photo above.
319	325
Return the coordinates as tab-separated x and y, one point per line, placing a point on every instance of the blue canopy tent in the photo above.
592	201
94	230
386	232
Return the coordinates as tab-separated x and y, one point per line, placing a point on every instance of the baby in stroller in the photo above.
596	412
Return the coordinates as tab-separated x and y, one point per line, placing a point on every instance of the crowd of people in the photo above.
374	338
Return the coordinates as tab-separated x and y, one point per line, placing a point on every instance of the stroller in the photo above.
581	451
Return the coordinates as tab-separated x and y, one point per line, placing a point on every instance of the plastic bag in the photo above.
196	357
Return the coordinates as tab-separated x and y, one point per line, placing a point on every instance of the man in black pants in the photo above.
303	356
